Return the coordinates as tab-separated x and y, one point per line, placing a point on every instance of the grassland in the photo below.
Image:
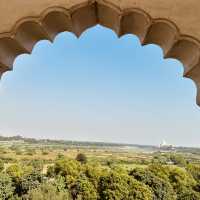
129	157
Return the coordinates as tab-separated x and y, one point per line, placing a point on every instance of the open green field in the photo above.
124	156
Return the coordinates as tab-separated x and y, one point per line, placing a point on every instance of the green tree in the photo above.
93	173
30	181
67	167
60	156
36	164
113	186
185	193
83	189
139	191
6	188
178	159
162	171
60	184
194	170
162	190
1	165
82	158
179	177
14	171
160	159
47	191
51	171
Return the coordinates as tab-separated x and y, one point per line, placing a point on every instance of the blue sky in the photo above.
99	88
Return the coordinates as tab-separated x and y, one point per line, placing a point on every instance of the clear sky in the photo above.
99	88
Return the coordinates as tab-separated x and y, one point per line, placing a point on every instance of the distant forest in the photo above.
64	142
92	144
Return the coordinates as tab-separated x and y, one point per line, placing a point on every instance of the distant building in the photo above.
166	147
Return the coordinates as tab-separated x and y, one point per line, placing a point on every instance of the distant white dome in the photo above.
163	143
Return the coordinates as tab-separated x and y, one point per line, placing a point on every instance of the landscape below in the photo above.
67	170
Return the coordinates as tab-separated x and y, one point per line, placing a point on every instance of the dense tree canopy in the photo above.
74	179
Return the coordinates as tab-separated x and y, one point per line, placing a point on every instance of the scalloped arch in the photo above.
161	31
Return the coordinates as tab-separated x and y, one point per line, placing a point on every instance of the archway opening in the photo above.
119	92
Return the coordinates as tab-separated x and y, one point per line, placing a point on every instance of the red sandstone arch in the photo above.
27	31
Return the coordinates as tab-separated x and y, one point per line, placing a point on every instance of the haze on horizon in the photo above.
99	88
